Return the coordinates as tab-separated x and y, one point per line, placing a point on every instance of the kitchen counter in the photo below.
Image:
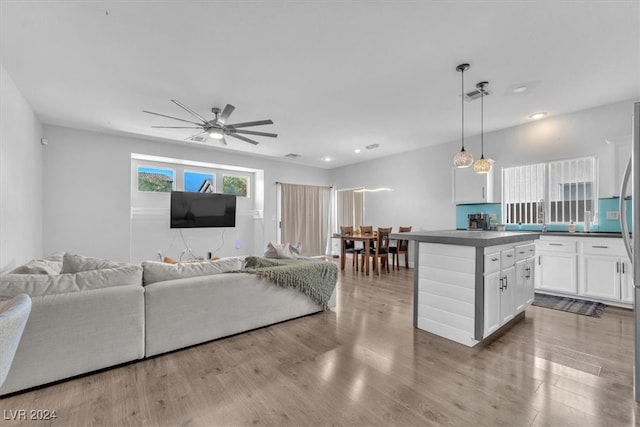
479	239
461	277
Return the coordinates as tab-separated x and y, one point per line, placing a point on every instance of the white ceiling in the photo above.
333	76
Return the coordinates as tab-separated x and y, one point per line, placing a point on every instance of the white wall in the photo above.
422	179
87	189
20	178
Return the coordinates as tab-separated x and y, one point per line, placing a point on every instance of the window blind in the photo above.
523	193
572	189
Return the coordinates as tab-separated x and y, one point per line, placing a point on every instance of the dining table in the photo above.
366	241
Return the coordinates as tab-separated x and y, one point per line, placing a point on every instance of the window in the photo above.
235	184
555	192
199	182
154	179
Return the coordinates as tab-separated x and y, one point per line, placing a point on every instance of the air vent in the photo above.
475	94
292	155
372	146
199	138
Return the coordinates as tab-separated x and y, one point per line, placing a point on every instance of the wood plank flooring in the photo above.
364	364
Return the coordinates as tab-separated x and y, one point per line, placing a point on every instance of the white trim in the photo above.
160	159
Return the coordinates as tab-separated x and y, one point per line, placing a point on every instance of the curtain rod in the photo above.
305	185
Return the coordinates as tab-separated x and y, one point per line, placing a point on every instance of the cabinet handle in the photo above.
506	282
600	247
482	192
495	259
539	260
521	252
617	267
501	280
623	267
509	255
528	275
556	244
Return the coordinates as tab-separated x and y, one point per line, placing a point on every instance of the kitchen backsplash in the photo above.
602	224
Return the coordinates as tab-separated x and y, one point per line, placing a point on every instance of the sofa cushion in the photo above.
159	271
282	250
72	263
49	265
44	284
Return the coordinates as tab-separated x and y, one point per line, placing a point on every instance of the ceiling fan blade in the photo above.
247	124
242	138
197	138
170	117
228	109
251	132
189	110
177	127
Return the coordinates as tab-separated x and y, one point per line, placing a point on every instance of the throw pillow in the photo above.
282	250
72	263
43	284
38	266
159	271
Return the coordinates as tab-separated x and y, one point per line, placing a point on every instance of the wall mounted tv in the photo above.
192	210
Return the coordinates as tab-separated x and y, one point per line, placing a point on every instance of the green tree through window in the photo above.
155	179
235	185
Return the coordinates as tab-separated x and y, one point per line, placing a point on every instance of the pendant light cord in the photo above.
462	106
482	122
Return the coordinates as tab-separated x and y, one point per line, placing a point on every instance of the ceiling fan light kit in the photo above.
216	128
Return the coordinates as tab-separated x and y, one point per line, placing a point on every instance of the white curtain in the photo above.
350	206
305	216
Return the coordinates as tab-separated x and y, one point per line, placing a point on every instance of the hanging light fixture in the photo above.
482	165
463	158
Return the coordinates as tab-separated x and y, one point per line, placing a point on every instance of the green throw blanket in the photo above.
317	279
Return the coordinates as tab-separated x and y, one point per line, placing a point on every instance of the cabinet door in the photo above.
556	272
520	296
626	281
507	296
600	276
529	280
492	292
470	187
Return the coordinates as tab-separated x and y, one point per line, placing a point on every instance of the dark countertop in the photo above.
480	239
582	234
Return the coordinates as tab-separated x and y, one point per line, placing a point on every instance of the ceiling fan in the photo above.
216	128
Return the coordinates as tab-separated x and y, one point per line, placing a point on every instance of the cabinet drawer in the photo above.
566	246
508	258
491	262
525	251
606	247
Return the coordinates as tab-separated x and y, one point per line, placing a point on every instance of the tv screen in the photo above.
191	210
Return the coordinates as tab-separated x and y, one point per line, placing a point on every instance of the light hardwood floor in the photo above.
365	364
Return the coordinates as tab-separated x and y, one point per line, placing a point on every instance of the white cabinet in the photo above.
556	266
500	288
470	187
605	272
335	246
524	292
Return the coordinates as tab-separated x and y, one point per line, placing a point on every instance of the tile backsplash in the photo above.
601	224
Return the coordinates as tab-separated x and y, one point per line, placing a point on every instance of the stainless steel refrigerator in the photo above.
632	238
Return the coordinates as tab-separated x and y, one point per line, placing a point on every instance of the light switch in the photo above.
613	214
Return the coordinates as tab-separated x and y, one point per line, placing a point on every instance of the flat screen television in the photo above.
193	210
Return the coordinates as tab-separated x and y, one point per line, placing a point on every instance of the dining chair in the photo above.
381	254
349	245
367	230
401	247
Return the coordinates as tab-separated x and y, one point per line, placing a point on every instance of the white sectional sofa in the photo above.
104	313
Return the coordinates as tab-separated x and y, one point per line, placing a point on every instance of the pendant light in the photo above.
482	165
462	159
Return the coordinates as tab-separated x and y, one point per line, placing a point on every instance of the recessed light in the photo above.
538	116
326	159
357	150
520	89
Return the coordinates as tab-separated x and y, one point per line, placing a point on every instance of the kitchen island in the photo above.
469	284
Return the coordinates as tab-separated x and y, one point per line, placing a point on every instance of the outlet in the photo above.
236	244
613	214
493	217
